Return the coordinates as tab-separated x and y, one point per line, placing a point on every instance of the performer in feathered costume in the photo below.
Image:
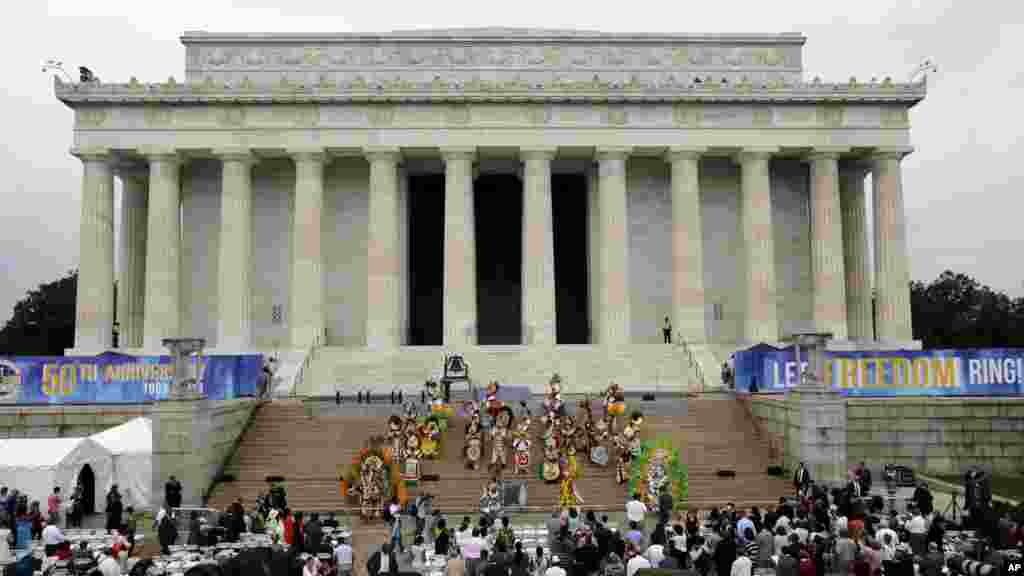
521	445
491	401
395	435
499	435
628	444
568	495
553	406
474	437
614	405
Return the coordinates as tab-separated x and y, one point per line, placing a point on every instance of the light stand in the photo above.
953	510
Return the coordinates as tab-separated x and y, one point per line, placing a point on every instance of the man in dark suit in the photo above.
802	479
314	534
374	563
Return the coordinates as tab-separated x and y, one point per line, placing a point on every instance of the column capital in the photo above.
538	153
131	170
755	153
382	154
890	152
92	154
684	153
458	153
826	153
613	152
235	155
162	155
318	155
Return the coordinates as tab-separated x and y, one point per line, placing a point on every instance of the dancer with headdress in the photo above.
568	494
628	444
473	449
499	435
521	445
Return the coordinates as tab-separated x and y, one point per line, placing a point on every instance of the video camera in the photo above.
898	476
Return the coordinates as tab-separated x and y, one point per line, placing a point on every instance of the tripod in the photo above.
953	509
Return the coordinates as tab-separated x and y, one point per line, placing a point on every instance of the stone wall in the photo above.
65	421
936	435
192	440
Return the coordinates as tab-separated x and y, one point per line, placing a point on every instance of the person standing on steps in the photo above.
666	331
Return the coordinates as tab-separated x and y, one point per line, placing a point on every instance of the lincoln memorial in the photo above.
538	201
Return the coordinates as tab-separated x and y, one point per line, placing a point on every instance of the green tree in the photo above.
956	311
43	323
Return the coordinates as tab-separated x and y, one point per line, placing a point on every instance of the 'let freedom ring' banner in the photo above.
120	379
990	372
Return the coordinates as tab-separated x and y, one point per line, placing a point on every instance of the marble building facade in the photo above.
265	198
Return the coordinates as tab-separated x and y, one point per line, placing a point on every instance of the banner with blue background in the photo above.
989	372
119	378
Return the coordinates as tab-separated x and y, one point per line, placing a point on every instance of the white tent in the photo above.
35	466
131	448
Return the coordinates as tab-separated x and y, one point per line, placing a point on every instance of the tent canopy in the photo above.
35	466
36	452
131	449
132	437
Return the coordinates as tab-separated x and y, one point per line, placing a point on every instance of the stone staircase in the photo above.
311	453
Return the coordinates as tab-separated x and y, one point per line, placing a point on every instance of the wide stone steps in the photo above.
312	453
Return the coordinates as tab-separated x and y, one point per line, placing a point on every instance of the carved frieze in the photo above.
830	116
158	116
895	117
91	117
685	114
682	115
231	116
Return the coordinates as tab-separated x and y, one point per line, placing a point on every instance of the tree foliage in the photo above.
956	311
43	323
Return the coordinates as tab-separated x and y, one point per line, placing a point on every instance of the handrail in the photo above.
762	432
694	363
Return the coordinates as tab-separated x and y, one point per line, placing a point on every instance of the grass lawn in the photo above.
1006	486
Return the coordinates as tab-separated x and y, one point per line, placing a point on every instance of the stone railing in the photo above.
477	90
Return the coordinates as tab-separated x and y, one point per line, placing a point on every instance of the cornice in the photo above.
594	91
493	35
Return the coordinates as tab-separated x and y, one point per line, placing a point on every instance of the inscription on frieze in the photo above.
451	58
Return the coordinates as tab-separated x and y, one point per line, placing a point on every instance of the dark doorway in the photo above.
498	214
569	213
87	480
426	260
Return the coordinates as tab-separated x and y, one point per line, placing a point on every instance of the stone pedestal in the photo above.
181	426
821	428
180	433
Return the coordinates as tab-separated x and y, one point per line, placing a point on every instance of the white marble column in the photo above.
613	295
760	323
306	310
460	315
131	285
235	261
687	245
163	251
383	314
94	307
594	250
827	245
892	274
855	252
538	271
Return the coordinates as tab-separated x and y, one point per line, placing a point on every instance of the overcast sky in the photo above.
964	186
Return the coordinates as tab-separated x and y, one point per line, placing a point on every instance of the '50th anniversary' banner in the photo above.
989	372
118	378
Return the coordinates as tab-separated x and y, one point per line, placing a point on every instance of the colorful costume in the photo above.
521	446
474	442
568	496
